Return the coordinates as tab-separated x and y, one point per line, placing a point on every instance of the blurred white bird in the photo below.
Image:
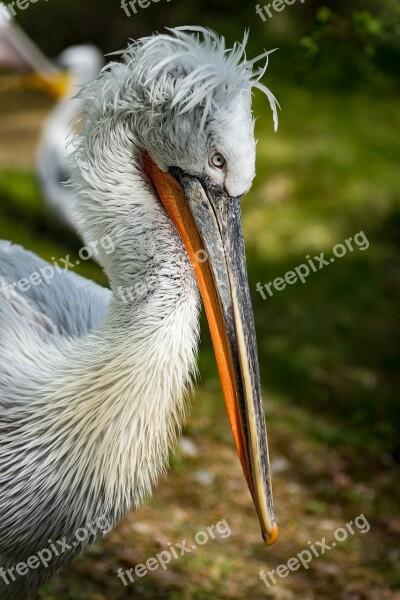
77	66
54	166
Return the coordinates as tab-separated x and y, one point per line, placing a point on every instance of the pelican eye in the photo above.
217	160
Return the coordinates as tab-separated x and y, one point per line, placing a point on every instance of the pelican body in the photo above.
93	381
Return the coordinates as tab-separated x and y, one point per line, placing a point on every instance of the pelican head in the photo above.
82	62
182	104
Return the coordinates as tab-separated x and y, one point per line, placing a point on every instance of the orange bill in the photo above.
208	221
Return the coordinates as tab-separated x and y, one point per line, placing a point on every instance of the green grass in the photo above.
331	344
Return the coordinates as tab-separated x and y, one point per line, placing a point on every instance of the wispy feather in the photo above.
190	66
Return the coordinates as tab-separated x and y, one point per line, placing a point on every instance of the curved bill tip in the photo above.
271	539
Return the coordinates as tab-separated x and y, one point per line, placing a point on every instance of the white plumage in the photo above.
92	386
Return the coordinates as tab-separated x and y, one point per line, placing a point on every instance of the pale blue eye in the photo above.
217	160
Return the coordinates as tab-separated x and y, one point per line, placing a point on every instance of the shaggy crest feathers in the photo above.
186	69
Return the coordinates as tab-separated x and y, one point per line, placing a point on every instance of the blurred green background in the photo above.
329	349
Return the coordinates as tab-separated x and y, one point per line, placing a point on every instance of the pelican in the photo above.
93	381
53	158
76	66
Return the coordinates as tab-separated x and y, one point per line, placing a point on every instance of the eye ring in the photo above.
217	160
